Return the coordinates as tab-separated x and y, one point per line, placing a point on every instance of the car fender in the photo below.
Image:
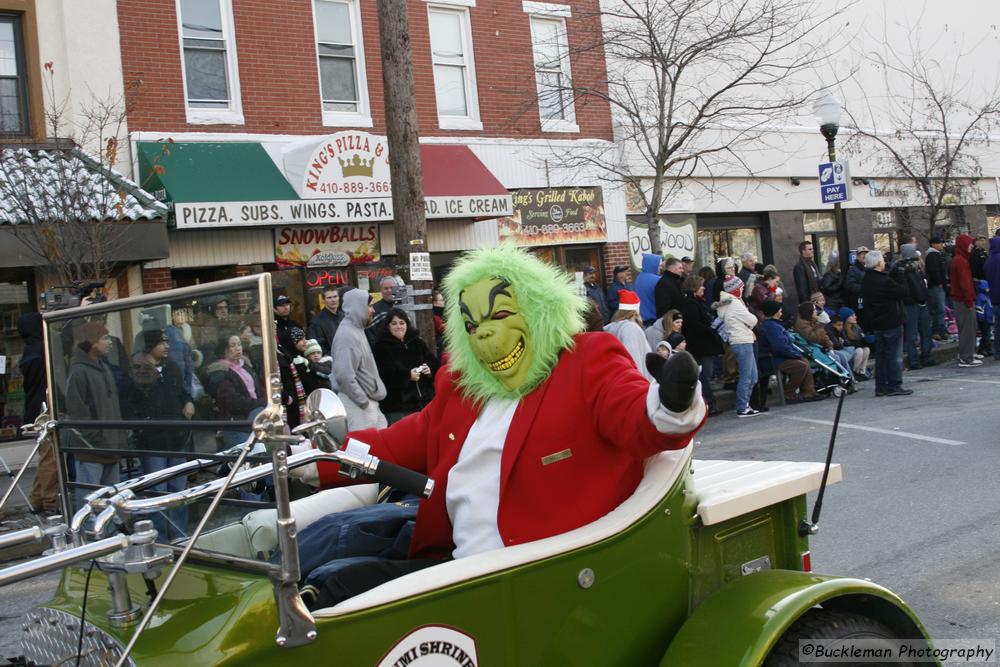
741	622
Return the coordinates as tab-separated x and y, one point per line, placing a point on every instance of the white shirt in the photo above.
473	495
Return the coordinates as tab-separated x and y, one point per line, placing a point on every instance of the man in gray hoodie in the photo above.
359	385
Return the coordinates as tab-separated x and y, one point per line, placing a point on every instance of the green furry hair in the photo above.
549	304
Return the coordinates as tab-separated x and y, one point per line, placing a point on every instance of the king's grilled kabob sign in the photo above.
342	178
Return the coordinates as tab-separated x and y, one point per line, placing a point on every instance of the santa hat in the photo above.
628	300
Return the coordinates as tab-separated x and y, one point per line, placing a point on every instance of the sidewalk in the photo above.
943	353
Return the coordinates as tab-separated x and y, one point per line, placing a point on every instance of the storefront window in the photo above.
992	220
885	242
714	244
15	300
818	222
820	227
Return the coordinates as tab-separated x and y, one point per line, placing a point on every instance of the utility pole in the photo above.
410	220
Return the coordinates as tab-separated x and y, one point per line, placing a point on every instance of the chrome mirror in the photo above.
325	411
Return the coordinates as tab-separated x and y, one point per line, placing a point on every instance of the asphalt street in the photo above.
918	510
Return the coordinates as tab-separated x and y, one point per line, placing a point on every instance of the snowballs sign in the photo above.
326	246
678	235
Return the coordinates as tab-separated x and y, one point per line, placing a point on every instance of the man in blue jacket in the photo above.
620	282
645	286
785	357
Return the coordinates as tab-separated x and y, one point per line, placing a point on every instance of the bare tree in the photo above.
70	209
927	125
695	84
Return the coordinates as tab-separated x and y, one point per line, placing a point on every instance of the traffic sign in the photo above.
833	182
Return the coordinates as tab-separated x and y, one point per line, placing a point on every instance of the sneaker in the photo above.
898	392
978	356
749	412
970	364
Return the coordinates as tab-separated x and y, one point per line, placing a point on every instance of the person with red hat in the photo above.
626	326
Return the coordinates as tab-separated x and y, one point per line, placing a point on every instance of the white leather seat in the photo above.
661	471
257	532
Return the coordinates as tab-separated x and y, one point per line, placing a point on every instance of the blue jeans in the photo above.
888	360
843	357
172	523
98	474
935	308
747	365
918	323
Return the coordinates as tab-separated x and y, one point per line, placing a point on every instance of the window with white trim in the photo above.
13	78
211	81
340	53
550	47
454	69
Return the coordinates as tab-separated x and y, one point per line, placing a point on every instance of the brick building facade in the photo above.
277	57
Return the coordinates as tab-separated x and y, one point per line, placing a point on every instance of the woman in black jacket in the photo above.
237	391
702	341
406	366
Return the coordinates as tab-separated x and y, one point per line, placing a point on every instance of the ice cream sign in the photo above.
326	245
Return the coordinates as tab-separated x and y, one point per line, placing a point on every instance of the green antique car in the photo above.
707	563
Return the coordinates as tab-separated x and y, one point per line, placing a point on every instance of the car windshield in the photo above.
143	383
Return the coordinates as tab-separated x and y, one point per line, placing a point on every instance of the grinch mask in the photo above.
497	330
508	317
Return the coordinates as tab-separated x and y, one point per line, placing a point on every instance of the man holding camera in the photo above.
881	306
918	318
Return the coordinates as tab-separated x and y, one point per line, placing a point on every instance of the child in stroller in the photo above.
826	369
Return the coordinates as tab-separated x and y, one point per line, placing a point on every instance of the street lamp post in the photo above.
828	110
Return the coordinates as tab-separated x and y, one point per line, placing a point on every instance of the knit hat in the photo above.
628	300
296	334
733	285
664	345
675	339
89	333
770	308
845	313
151	338
312	345
908	251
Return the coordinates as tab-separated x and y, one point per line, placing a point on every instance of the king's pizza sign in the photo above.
347	165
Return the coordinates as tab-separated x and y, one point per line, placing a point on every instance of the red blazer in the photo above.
591	410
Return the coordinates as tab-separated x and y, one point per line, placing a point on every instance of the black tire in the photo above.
822	624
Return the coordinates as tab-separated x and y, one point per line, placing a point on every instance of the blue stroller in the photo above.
827	371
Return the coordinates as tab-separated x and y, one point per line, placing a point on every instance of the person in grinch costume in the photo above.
536	428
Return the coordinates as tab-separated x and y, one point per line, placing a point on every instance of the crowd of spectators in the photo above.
743	326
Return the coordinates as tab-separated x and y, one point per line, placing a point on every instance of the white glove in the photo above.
309	473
